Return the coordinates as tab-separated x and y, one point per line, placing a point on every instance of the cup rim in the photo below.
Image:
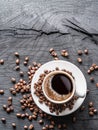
73	85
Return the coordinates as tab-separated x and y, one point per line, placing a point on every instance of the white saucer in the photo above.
81	85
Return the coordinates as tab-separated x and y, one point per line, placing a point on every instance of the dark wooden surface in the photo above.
32	28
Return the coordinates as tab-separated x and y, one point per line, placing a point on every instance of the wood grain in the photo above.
32	28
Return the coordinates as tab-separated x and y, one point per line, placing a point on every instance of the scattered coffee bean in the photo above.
51	50
25	127
79	60
31	127
8	110
1	91
97	85
13	125
91	104
51	126
91	68
80	52
96	67
27	58
95	111
89	72
92	79
18	115
17	61
82	108
3	120
16	54
86	51
17	68
4	107
41	122
25	63
13	80
1	61
44	128
64	53
91	113
21	73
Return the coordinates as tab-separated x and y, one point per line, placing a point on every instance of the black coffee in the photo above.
61	84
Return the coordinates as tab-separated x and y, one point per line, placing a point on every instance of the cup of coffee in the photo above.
59	87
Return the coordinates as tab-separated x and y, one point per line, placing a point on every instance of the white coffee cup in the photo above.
52	95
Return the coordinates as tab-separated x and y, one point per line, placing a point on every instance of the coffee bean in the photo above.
3	120
82	108
13	92
30	118
27	58
1	91
86	51
1	61
25	63
51	126
51	50
79	60
18	115
13	125
4	107
92	79
13	80
41	122
8	110
80	52
25	127
17	68
44	128
91	68
56	58
97	85
89	71
16	54
21	73
95	111
91	104
91	113
31	127
17	61
96	67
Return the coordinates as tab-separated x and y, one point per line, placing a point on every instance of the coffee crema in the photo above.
58	87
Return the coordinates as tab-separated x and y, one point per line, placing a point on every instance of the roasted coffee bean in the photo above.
1	61
17	61
79	60
23	116
51	50
17	68
80	52
89	71
8	110
10	99
51	126
18	115
25	63
13	92
16	54
95	111
27	58
56	58
91	113
92	79
13	125
82	108
1	91
44	128
97	85
21	73
41	122
4	107
91	104
91	68
13	80
30	118
91	109
25	127
31	127
3	120
96	67
54	54
86	51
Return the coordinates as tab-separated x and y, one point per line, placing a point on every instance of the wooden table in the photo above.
32	28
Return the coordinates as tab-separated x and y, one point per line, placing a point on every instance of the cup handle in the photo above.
80	94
